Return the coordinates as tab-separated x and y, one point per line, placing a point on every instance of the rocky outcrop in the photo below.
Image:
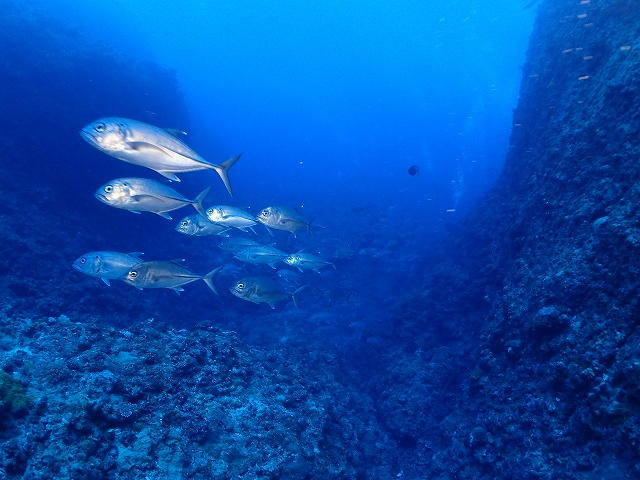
536	311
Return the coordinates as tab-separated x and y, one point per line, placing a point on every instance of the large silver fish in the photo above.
284	218
263	290
144	195
307	261
198	226
231	217
107	265
152	147
163	274
261	254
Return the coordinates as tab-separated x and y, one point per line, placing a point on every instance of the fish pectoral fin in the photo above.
106	280
272	305
175	132
142	146
164	215
140	197
177	290
170	175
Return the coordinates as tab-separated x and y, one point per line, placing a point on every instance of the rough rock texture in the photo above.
91	401
538	306
518	358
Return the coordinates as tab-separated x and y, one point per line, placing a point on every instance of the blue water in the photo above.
329	103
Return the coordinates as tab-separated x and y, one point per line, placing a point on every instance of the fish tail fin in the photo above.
309	226
294	295
197	203
223	170
208	279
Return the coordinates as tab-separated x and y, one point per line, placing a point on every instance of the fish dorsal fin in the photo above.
135	254
175	132
177	261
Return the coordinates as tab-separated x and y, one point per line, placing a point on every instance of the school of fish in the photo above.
162	151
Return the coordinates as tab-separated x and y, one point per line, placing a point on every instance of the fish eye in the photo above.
133	273
83	260
184	223
108	188
240	285
100	127
264	213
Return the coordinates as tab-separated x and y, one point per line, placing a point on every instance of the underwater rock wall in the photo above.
525	342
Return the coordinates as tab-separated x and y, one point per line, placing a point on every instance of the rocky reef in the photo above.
82	400
526	341
516	357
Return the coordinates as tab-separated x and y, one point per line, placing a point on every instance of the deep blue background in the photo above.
330	104
331	101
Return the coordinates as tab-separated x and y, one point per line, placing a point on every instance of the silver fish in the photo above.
151	147
261	254
307	261
163	274
107	265
235	244
263	290
284	218
144	195
288	276
198	226
231	217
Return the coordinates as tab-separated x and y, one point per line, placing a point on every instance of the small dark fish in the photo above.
413	170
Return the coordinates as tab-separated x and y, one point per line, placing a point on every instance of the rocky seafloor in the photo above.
83	400
518	356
